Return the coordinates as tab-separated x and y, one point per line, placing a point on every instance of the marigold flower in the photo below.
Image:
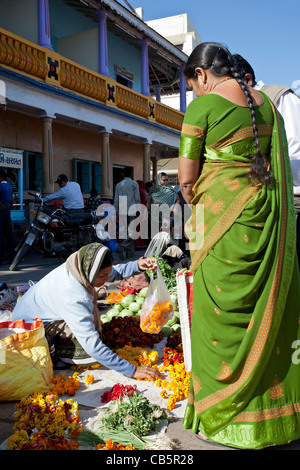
89	379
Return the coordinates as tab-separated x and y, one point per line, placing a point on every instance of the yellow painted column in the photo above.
107	174
47	156
146	162
154	169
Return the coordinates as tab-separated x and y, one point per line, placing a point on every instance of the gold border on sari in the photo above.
195	131
266	414
247	132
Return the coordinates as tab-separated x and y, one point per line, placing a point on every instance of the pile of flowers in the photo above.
117	392
115	297
138	356
173	364
179	384
111	445
120	332
172	356
45	422
63	385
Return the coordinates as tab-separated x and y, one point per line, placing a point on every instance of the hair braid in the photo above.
259	166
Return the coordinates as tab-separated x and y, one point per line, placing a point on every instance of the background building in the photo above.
180	31
79	84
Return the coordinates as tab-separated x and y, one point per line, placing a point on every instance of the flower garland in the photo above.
179	384
173	363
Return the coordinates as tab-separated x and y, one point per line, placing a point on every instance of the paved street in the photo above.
33	268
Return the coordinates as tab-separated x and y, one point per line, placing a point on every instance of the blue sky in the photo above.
266	33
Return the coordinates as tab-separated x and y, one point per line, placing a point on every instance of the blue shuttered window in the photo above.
88	175
33	172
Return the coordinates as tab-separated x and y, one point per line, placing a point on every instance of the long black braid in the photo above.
219	61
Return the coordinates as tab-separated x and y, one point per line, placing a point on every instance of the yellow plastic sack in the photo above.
25	363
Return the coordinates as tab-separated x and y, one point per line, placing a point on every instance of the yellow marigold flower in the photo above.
153	356
171	405
164	394
89	379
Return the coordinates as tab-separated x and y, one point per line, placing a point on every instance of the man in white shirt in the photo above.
288	104
129	189
69	193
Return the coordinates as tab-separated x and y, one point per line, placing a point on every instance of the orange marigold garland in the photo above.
173	363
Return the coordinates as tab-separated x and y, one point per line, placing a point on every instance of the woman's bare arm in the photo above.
188	173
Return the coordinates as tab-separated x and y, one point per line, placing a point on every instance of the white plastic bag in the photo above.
184	282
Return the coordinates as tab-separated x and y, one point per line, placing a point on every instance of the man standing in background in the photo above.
6	231
129	189
288	104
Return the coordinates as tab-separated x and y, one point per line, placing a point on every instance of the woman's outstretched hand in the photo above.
145	264
146	372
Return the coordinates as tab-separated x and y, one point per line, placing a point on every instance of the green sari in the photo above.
245	379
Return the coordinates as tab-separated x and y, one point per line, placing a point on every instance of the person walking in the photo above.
245	332
128	191
6	231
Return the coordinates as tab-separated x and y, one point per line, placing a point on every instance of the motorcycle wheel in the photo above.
21	253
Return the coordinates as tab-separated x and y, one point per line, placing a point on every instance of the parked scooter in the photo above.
55	232
100	219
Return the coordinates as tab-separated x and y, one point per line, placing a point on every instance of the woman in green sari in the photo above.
234	165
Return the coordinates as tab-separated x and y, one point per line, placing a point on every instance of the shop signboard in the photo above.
11	158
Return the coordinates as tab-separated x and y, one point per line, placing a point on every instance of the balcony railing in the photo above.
49	67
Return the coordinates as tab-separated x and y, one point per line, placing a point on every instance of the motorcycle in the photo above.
55	232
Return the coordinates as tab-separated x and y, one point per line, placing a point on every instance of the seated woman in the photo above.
66	301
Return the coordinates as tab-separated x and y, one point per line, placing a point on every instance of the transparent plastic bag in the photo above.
157	308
